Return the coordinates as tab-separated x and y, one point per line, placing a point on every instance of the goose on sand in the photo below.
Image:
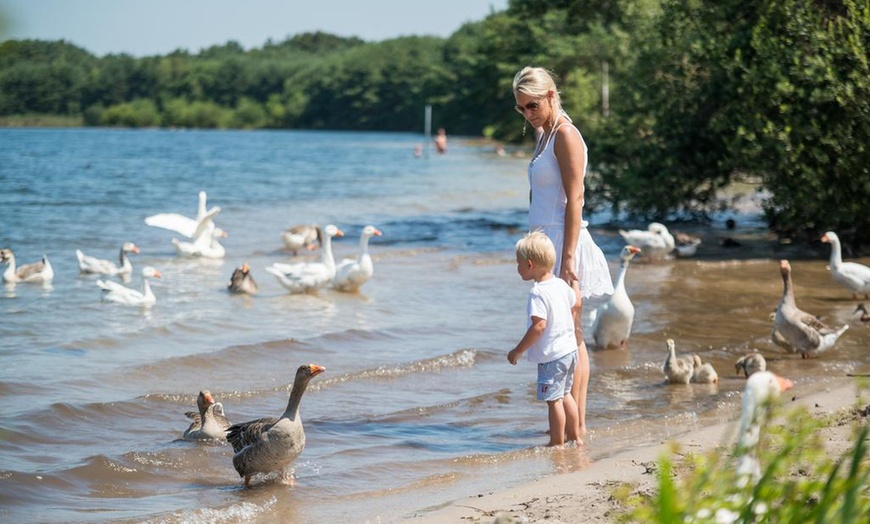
115	292
351	273
209	423
853	276
677	370
242	281
750	364
93	265
703	372
801	331
614	318
302	236
655	243
758	394
38	272
305	277
271	444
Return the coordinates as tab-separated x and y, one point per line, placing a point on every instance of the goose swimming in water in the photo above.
242	281
306	277
678	370
115	292
703	372
351	273
93	265
209	423
302	236
38	272
750	364
655	243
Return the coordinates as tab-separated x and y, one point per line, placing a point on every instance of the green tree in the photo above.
803	123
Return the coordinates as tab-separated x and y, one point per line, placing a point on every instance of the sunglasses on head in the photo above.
531	106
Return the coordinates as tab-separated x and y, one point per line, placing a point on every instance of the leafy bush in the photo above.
138	113
800	482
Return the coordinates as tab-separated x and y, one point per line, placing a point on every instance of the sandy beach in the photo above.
586	496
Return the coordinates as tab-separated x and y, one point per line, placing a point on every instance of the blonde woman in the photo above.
556	174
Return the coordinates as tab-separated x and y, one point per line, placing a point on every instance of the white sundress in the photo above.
547	214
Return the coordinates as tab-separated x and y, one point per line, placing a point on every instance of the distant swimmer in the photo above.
441	140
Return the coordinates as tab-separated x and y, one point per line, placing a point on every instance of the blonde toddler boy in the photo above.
549	341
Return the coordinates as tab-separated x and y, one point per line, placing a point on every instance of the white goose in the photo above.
302	236
305	277
181	224
803	332
203	242
38	272
115	292
271	444
351	273
615	317
656	242
93	265
677	370
853	276
760	391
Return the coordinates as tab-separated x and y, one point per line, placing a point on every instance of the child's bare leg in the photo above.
556	414
572	419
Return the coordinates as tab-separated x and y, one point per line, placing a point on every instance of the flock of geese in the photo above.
794	330
271	444
201	238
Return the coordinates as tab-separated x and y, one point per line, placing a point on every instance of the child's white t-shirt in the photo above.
552	300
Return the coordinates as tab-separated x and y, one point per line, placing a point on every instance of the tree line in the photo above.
680	98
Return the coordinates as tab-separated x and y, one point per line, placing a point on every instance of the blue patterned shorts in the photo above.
556	377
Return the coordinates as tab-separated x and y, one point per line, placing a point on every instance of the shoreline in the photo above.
586	495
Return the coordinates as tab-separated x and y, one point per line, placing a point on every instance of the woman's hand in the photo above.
567	271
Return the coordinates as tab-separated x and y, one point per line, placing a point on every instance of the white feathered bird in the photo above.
115	292
853	276
352	273
203	243
305	277
758	394
99	266
37	273
656	242
615	317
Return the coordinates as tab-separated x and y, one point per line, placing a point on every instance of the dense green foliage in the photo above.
701	93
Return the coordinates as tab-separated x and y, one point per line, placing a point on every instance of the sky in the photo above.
158	27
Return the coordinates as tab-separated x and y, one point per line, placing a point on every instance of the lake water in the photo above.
418	405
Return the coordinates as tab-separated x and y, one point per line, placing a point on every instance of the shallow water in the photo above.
418	405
